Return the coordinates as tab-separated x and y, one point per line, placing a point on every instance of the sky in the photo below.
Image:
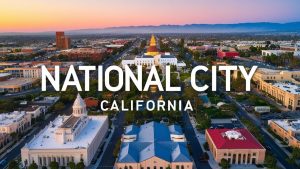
52	15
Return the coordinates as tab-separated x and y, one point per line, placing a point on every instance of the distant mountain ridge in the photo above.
187	28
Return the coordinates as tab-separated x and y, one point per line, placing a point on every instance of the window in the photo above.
254	154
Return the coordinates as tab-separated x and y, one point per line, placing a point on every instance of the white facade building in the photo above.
148	61
14	122
67	138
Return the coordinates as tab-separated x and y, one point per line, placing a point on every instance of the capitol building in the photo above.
153	58
68	138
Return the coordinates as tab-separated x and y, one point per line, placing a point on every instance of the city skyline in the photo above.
39	16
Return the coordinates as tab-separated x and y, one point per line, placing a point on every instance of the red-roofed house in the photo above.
238	146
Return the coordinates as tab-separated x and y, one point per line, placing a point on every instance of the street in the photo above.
194	143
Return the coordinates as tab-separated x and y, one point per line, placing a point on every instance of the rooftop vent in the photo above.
233	135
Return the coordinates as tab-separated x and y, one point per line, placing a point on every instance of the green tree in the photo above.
224	164
13	165
80	165
33	165
54	165
72	165
270	161
59	106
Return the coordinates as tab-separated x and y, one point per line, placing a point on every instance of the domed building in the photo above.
152	49
153	58
67	138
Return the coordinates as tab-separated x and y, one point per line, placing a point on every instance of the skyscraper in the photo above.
62	41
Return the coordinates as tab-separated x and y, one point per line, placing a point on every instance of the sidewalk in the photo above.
104	149
277	142
17	143
201	139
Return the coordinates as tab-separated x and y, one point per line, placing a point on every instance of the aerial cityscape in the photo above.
150	84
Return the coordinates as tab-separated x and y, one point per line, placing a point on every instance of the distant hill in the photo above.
188	28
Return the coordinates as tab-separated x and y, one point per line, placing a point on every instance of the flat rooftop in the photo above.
46	138
288	124
267	71
17	82
9	118
288	87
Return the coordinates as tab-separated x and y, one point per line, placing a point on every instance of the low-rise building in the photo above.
34	110
4	139
237	146
17	84
68	138
80	54
14	122
283	86
287	129
227	54
153	145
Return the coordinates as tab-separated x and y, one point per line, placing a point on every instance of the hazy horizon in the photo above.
52	15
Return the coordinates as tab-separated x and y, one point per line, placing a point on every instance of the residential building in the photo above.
153	145
67	138
237	146
287	129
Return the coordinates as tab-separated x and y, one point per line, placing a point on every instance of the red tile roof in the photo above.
221	142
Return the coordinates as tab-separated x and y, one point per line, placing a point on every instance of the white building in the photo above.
293	49
67	138
153	58
14	122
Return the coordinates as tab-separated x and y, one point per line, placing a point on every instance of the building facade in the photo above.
62	41
14	122
288	130
68	138
282	86
237	146
153	58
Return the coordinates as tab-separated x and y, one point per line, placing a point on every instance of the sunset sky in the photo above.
51	15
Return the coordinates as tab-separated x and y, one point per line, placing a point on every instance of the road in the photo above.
275	149
194	143
15	152
108	159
